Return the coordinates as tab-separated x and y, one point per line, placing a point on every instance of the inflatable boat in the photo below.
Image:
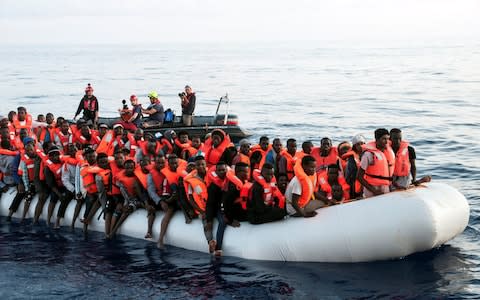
384	227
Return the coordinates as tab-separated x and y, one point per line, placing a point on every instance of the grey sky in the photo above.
141	21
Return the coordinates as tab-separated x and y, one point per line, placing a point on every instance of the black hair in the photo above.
199	157
102	155
220	163
395	130
172	156
307	159
264	138
291	141
326	139
88	150
129	161
183	132
21	108
267	166
218	133
241	165
380	132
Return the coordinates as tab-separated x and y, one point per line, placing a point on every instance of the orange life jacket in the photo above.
199	189
158	178
402	160
8	152
56	169
65	139
324	161
105	145
142	177
134	146
291	160
26	124
115	171
381	171
88	174
29	164
270	190
308	184
42	133
143	147
213	154
94	139
106	176
128	182
327	188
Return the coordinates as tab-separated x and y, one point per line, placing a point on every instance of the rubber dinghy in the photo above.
384	227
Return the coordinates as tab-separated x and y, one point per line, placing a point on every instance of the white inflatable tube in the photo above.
383	227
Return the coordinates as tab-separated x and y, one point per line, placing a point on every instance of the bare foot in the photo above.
188	220
211	246
218	253
160	245
57	224
235	223
148	236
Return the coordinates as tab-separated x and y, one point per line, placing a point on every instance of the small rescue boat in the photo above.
389	226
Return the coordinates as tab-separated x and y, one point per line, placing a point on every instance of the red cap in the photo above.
89	88
133	97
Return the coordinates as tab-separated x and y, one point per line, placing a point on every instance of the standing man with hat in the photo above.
154	111
188	105
89	105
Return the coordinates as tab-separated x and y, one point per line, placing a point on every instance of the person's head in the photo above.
64	128
80	123
357	142
173	162
129	168
221	169
217	138
282	181
190	167
102	160
21	113
381	138
133	100
332	172
89	90
102	129
23	133
309	164
5	144
200	165
30	150
196	142
90	155
267	172
264	141
159	162
152	146
292	146
244	146
54	154
4	133
307	147
50	118
183	137
144	164
118	129
60	121
395	137
277	145
242	171
153	96
72	149
125	151
325	145
343	148
337	192
11	115
138	135
41	118
3	122
188	90
119	158
85	130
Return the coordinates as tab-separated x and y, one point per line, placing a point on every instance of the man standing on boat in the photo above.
154	111
89	105
188	105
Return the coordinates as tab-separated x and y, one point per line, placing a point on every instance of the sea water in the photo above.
306	91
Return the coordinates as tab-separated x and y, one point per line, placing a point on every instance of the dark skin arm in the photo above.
50	180
300	212
413	170
361	179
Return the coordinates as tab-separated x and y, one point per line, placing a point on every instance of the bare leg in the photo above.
163	227
108	222
42	197
77	211
51	207
151	219
26	207
120	221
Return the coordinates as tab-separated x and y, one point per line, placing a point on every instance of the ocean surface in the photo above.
305	91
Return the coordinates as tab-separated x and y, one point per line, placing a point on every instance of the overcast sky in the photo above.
142	21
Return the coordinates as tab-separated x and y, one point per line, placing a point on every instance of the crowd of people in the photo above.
118	171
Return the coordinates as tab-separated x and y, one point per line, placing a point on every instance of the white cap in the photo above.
243	142
117	125
358	139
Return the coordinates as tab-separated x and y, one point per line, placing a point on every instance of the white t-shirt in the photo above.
293	187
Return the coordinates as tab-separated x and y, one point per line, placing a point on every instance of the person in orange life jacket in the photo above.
376	165
148	149
307	148
325	155
342	149
182	146
327	180
102	130
194	150
155	180
114	204
40	184
216	184
135	143
301	193
234	199
63	137
8	165
47	133
131	190
155	111
18	141
25	188
287	159
40	118
53	174
100	200
243	154
188	105
134	119
353	163
87	137
87	184
215	147
282	182
405	172
89	105
259	209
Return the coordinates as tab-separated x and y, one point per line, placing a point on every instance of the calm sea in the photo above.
305	91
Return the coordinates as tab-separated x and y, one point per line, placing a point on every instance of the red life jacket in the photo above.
324	161
29	164
327	188
308	184
89	103
199	189
291	160
142	177
88	174
65	139
157	178
270	190
213	154
115	171
26	124
381	171
128	182
402	160
134	146
56	169
356	157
